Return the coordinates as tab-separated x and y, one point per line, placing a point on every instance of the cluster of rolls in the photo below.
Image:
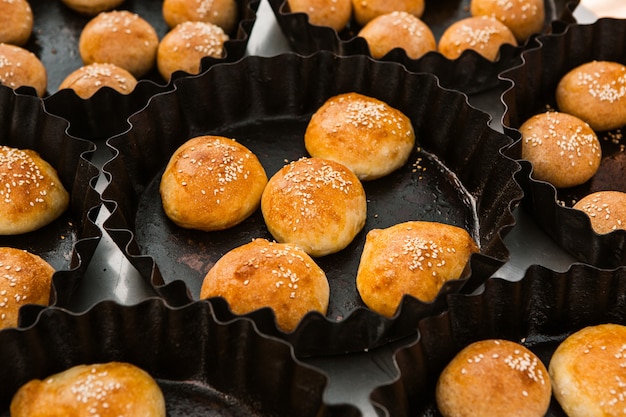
386	25
312	207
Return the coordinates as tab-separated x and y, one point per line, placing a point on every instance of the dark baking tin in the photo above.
470	73
265	104
204	367
539	311
528	92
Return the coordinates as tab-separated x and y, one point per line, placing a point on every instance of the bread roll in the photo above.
92	7
109	389
31	193
223	13
412	258
87	80
263	274
16	22
496	378
332	13
26	279
316	204
588	371
211	183
523	17
366	10
365	134
19	67
606	210
482	34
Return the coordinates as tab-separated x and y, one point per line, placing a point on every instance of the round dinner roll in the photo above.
31	193
263	274
110	389
16	22
606	210
495	378
122	38
92	7
211	183
223	13
412	258
595	92
183	47
563	149
366	10
365	134
482	34
333	13
26	279
316	204
588	371
398	30
88	79
523	17
19	68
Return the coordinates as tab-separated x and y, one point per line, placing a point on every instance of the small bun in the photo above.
496	378
596	93
16	22
398	30
413	258
588	370
19	68
322	13
263	274
316	204
92	7
211	183
122	38
31	193
606	210
222	13
87	80
183	47
367	135
105	389
482	34
563	149
366	10
523	17
26	279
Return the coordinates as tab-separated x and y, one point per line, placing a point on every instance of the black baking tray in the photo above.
204	367
528	92
265	103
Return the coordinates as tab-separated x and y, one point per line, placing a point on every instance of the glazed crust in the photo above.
19	67
606	210
222	13
332	13
92	7
482	34
523	17
87	80
366	10
16	22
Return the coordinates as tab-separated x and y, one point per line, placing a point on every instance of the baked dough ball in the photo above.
92	7
412	258
223	13
588	370
31	193
398	30
19	67
263	274
606	210
87	80
365	134
366	10
563	149
16	21
482	34
316	204
496	378
523	17
122	38
211	183
26	279
333	13
184	47
596	93
109	389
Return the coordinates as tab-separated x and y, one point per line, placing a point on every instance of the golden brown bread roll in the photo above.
588	371
16	21
332	13
92	7
496	378
563	149
31	193
111	389
316	204
365	134
19	67
268	274
211	183
482	34
88	79
523	17
223	13
412	258
122	38
606	210
26	279
366	10
596	93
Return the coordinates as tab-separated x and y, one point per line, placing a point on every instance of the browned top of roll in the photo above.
19	67
16	21
87	80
